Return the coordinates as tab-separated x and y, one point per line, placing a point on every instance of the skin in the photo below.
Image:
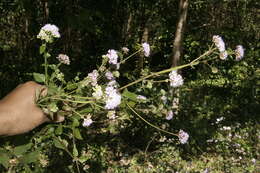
18	111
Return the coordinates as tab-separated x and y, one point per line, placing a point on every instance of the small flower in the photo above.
239	52
169	115
183	136
206	170
219	43
140	97
112	83
164	99
48	32
113	98
112	56
111	115
64	59
109	75
146	49
219	119
175	103
253	160
93	77
125	50
87	121
176	79
98	93
223	55
117	66
226	128
60	76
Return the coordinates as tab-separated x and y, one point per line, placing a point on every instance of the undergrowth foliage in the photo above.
97	104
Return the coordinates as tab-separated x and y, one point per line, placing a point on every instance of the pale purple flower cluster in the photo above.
109	75
48	32
169	115
64	59
146	49
176	79
93	77
183	136
113	98
112	56
239	52
219	43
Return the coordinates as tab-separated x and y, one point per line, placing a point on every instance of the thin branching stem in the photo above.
150	124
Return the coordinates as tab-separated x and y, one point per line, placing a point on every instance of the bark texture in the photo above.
177	43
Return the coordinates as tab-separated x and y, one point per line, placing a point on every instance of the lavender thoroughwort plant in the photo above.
98	97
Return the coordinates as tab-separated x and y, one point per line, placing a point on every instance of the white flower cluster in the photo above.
225	128
239	52
113	98
176	79
141	97
125	50
93	77
183	136
219	43
146	49
111	115
48	32
218	120
87	121
64	59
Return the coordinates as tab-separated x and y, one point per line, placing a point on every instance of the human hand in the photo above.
18	111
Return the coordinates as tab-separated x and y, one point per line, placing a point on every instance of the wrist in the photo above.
5	120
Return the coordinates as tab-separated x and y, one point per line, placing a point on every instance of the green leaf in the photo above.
75	151
30	157
75	122
71	86
129	95
77	134
53	107
4	158
22	149
42	48
38	77
47	55
131	103
83	159
59	130
60	143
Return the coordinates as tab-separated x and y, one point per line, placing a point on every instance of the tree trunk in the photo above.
177	43
177	46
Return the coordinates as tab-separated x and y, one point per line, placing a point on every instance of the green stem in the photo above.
155	74
152	125
123	61
46	69
160	81
204	54
72	101
192	63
